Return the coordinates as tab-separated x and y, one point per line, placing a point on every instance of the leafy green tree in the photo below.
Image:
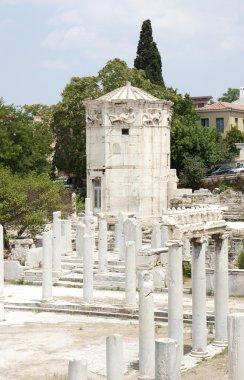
27	202
230	95
234	135
69	125
25	143
192	172
147	56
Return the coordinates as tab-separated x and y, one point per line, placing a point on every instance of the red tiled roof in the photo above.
222	106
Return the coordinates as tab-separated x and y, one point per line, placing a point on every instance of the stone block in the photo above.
34	257
12	270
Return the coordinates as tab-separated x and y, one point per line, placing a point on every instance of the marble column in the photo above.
57	248
73	205
68	230
164	235
88	270
146	327
221	290
114	357
47	278
102	246
199	322
130	274
89	222
156	239
132	232
236	346
63	237
175	295
80	232
121	219
87	206
116	237
167	359
1	274
77	369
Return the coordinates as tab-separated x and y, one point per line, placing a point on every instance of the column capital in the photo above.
201	239
171	243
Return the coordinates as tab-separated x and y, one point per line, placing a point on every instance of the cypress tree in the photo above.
147	55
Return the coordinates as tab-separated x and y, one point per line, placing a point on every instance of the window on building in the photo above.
125	131
205	122
220	125
243	124
236	121
97	193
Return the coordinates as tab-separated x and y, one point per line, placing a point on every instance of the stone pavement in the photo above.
24	297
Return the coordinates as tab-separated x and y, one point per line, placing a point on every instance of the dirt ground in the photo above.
35	348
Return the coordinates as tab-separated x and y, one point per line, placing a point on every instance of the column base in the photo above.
145	378
46	301
220	343
88	303
133	307
199	354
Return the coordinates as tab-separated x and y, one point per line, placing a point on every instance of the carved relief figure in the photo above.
127	117
152	117
94	118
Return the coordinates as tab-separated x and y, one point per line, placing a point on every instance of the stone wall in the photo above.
236	282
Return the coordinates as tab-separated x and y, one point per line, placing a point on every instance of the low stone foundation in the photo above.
236	282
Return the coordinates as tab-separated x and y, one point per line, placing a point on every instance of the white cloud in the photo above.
75	37
55	64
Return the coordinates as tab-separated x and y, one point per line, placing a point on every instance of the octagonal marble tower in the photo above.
128	153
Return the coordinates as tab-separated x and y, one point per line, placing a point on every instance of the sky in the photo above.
43	43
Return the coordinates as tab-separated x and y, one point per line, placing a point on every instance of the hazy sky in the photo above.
43	43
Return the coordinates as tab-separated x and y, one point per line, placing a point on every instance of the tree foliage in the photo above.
25	142
230	95
27	202
69	125
147	56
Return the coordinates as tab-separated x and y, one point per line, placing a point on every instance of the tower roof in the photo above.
127	92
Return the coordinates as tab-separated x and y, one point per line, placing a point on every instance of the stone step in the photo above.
110	276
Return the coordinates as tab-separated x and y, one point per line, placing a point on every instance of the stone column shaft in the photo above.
156	239
221	291
121	219
146	327
102	246
47	278
236	346
130	274
80	232
164	235
199	323
57	241
88	270
68	229
167	359
87	206
77	369
175	295
116	237
114	357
